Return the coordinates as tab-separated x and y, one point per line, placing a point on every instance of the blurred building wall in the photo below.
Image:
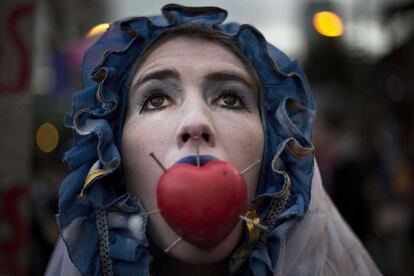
16	133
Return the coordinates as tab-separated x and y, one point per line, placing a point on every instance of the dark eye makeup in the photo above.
155	95
155	101
231	100
232	97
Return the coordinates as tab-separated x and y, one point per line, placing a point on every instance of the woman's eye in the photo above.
156	102
230	101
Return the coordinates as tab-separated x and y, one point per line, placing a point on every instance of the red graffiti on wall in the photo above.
10	213
21	82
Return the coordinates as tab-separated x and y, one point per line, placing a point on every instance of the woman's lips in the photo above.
192	159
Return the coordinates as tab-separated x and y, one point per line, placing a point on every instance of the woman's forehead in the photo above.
186	54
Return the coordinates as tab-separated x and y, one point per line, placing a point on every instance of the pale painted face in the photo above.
189	87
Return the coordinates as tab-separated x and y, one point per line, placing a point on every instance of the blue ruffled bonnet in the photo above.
102	225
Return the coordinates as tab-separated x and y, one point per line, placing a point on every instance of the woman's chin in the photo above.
189	253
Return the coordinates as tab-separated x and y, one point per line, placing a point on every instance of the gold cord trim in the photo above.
90	178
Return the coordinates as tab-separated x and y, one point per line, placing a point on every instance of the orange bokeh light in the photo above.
47	137
328	24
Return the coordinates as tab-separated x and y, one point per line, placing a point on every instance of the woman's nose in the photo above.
195	126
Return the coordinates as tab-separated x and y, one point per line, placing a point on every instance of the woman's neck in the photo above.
164	264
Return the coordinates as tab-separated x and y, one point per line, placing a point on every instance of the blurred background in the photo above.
358	55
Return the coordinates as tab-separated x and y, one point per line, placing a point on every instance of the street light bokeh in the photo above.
328	24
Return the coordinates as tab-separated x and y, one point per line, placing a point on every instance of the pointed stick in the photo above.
158	162
258	225
173	244
197	145
250	167
153	212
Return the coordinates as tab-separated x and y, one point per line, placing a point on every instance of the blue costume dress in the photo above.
103	227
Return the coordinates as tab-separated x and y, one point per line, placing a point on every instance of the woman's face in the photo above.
189	87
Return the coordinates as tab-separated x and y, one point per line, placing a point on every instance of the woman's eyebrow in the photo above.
227	76
157	75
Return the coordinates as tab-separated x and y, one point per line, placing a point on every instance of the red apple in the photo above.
202	204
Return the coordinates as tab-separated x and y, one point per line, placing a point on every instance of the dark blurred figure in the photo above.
348	193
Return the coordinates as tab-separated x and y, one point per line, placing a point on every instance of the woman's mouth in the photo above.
192	159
